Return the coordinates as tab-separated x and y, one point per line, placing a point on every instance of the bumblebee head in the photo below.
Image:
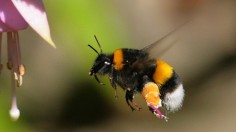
102	64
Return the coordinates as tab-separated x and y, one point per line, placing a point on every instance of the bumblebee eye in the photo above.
107	63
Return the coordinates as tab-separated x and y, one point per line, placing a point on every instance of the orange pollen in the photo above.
151	94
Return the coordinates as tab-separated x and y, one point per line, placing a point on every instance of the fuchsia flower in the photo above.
17	15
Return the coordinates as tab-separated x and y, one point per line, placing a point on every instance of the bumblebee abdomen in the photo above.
171	88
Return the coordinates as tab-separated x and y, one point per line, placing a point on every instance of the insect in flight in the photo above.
136	72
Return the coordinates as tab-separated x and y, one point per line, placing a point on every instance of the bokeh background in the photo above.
59	95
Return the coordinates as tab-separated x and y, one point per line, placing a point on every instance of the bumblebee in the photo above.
136	72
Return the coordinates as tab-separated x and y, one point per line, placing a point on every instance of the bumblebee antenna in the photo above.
93	49
98	44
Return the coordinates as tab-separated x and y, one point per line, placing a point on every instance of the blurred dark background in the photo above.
58	93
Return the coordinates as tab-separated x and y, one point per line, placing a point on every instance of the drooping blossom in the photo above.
16	15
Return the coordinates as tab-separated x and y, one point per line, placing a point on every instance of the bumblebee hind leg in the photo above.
129	96
151	94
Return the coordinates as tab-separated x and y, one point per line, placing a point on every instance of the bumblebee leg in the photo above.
96	77
116	95
112	81
151	94
129	96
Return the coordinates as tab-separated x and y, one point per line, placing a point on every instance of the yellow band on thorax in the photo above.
118	59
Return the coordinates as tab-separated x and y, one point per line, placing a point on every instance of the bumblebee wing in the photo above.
163	42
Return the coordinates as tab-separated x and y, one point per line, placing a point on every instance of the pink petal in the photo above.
10	18
33	12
